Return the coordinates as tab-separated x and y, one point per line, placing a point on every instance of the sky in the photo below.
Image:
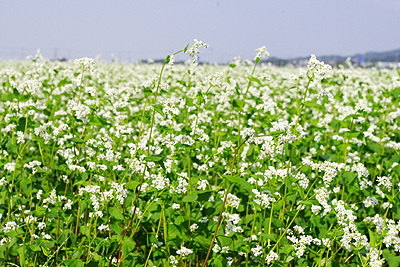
134	30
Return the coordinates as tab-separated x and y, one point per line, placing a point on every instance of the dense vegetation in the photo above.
176	165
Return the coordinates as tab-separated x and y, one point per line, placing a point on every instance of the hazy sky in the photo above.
133	30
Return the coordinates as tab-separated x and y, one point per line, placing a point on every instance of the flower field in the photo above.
248	164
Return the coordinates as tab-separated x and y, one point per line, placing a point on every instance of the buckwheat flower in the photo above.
374	260
257	251
336	189
184	251
272	256
39	194
303	180
317	68
216	248
159	182
370	201
10	226
181	188
261	53
3	181
176	206
232	200
193	227
52	198
9	166
387	205
30	86
68	205
91	165
32	164
385	181
46	236
171	61
118	168
29	219
173	261
203	220
5	240
21	137
103	227
298	229
202	184
315	209
86	64
194	50
41	225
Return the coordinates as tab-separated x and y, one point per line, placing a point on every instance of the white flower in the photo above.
86	64
184	251
9	166
171	61
194	50
173	261
193	227
42	225
272	256
216	248
232	200
257	251
370	201
176	206
3	181
262	52
318	68
202	184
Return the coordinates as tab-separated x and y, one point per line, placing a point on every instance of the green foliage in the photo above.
133	165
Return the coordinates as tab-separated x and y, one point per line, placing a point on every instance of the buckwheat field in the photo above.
248	164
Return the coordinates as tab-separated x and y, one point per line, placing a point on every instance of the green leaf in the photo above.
372	238
21	253
21	124
173	231
354	134
99	121
254	79
217	262
167	59
349	177
203	196
275	133
34	247
312	104
74	263
237	103
128	245
114	212
224	240
185	49
158	108
272	236
324	157
40	170
392	260
153	158
85	230
239	181
77	140
190	198
204	242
